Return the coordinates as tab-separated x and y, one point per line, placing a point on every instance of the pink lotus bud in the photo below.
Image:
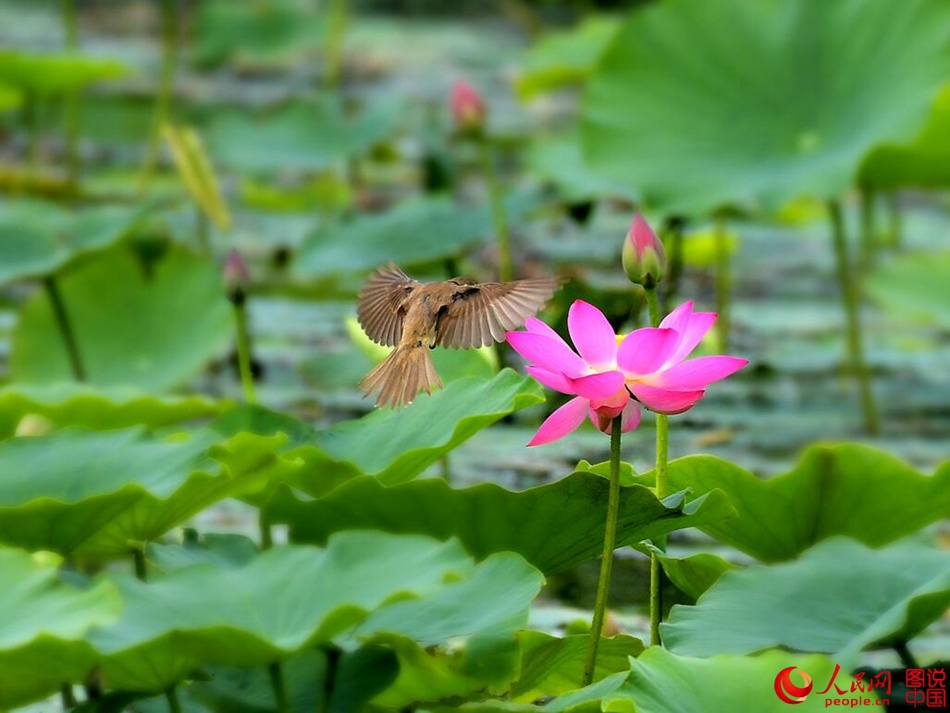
644	259
468	108
236	278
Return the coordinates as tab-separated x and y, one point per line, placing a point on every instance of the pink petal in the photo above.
598	387
692	327
665	400
592	335
533	324
679	317
630	417
552	380
697	373
549	354
561	422
643	351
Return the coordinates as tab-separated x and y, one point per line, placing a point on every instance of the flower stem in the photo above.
723	284
661	488
607	561
502	234
244	352
163	99
65	327
849	294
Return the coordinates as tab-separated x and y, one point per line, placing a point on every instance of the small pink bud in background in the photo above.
236	278
644	259
468	108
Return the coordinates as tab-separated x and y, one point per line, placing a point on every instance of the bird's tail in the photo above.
401	375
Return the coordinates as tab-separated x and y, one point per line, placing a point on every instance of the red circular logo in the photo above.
788	691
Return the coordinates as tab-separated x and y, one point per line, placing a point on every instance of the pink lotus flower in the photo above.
610	376
468	107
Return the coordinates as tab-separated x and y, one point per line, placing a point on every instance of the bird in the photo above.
397	311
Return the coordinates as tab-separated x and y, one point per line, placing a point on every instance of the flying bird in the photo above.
397	311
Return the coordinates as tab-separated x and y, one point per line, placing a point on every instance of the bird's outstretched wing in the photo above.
480	314
383	304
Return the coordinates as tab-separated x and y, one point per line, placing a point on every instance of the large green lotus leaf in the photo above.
553	526
504	585
43	627
662	682
417	230
151	330
75	404
913	287
428	428
837	598
923	162
303	137
565	58
552	666
51	74
96	494
846	489
292	598
695	574
267	33
559	160
38	238
702	103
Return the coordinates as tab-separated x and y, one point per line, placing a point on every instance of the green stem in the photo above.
67	696
72	99
163	98
907	658
267	535
244	352
849	294
505	265
138	558
171	695
329	681
868	231
336	29
661	489
653	306
607	561
65	327
446	468
723	284
278	687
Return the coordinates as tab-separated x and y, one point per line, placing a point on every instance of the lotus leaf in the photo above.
706	103
135	326
815	603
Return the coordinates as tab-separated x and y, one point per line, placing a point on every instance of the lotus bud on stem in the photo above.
644	262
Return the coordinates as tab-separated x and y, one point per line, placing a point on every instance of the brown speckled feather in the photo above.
383	304
480	314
